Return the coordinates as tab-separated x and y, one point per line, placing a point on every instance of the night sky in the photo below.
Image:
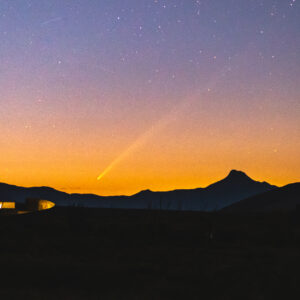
148	94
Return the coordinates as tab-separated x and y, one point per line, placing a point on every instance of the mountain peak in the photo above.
145	192
235	174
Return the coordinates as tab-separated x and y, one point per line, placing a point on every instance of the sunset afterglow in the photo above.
148	94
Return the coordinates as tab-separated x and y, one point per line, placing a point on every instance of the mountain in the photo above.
232	189
286	198
19	194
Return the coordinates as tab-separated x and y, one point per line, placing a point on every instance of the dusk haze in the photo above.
148	94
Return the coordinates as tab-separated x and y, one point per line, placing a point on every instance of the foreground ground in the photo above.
103	254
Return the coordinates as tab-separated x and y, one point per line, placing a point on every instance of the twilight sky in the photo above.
148	94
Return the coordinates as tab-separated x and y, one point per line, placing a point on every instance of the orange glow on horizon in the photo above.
198	143
111	100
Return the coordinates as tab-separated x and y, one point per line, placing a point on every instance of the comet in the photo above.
143	138
166	120
139	142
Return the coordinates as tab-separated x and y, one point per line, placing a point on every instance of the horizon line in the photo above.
61	189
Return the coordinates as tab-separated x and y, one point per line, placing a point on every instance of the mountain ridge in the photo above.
235	187
284	198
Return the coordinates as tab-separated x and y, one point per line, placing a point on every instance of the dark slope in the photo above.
234	188
286	198
19	194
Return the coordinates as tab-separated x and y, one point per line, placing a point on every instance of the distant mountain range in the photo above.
236	189
286	198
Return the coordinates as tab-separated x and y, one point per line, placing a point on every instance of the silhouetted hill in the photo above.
234	188
285	198
19	194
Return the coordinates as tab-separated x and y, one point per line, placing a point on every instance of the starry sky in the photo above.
115	96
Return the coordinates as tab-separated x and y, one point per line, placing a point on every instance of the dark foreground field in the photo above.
103	254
